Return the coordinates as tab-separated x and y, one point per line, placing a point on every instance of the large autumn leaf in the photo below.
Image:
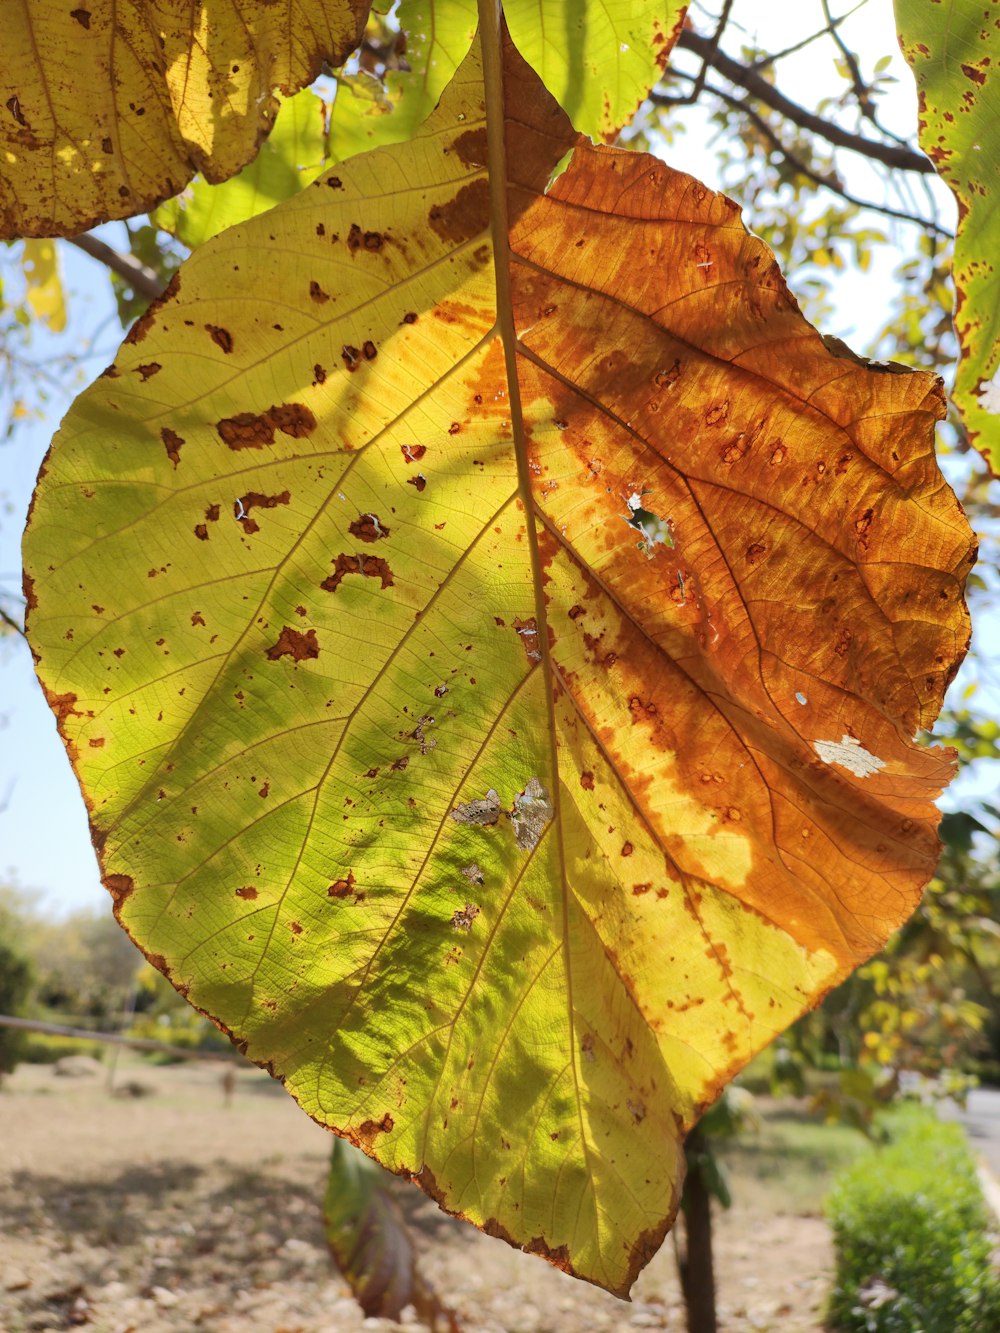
111	108
954	50
493	682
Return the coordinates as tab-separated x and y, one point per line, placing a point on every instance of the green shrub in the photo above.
42	1048
911	1233
15	985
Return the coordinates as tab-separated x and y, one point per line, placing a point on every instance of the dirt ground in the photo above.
171	1213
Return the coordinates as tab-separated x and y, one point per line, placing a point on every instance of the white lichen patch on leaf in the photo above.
532	811
484	811
851	754
989	394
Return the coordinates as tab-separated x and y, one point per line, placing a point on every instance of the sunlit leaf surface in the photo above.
290	158
598	58
437	35
111	108
954	50
502	761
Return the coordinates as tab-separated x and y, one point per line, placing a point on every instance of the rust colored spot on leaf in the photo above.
370	350
367	528
28	588
410	317
357	239
96	742
335	183
149	369
420	481
755	551
587	781
197	618
412	453
351	356
317	293
247	892
82	17
342	888
471	148
119	886
369	566
254	500
294	419
319	374
172	443
246	430
294	644
221	337
366	1133
146	321
62	705
976	75
201	532
463	217
14	107
251	430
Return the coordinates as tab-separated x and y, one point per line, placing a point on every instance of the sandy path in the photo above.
171	1213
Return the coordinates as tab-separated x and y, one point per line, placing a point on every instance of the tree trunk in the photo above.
696	1267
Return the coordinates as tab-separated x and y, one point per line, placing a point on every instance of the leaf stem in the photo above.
491	33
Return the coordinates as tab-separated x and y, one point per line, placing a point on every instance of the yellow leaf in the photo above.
45	292
110	109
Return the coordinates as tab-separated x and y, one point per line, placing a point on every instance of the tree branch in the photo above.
901	158
862	92
142	280
713	45
829	182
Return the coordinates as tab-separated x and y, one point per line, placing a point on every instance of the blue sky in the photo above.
44	843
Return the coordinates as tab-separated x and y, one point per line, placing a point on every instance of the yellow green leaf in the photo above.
598	58
40	264
954	50
438	34
489	625
290	158
110	109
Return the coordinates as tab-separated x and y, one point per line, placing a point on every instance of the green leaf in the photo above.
439	34
372	1245
290	158
598	58
954	50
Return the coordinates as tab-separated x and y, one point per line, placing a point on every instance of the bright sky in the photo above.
44	843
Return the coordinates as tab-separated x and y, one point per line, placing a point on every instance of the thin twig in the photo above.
691	97
862	91
766	61
143	280
892	155
820	178
11	624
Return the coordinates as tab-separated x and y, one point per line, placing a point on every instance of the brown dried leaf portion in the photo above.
165	98
771	662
